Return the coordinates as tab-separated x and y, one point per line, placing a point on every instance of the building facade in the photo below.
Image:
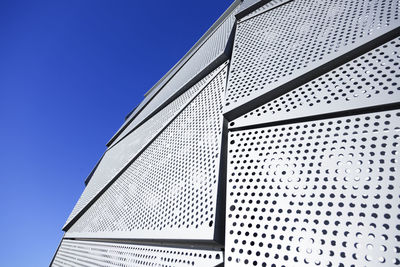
273	142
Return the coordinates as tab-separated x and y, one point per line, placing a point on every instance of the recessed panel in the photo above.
292	40
369	80
120	154
170	190
86	253
318	193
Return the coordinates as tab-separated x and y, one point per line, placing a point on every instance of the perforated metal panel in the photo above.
212	53
85	253
371	79
247	3
118	156
302	188
247	6
170	190
265	7
296	38
320	193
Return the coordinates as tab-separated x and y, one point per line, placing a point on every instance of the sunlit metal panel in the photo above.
287	45
369	80
121	154
87	253
320	193
171	190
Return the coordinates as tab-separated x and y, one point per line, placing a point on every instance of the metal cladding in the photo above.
362	82
322	192
210	53
251	7
285	43
249	13
285	153
170	190
85	253
122	153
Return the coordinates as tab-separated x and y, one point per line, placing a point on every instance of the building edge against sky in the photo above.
273	142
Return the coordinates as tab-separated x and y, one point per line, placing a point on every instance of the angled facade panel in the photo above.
285	155
121	154
286	43
170	190
213	52
86	253
266	6
249	8
320	193
363	82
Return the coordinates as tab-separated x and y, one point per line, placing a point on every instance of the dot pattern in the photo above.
118	156
170	190
246	4
269	5
371	79
320	193
86	253
175	106
283	43
209	52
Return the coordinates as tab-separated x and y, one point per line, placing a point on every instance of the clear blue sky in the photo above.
69	73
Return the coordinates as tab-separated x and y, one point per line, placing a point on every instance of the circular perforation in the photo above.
277	44
269	5
173	183
120	154
73	252
204	54
321	193
371	78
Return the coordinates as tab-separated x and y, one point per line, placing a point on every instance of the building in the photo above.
273	142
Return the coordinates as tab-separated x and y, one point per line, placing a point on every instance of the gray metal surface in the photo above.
170	190
287	42
86	253
310	154
248	6
251	7
264	8
369	80
320	193
121	154
213	52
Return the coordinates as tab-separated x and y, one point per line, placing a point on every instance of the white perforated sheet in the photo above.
214	50
318	193
286	42
170	190
267	6
118	156
247	3
369	80
86	253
